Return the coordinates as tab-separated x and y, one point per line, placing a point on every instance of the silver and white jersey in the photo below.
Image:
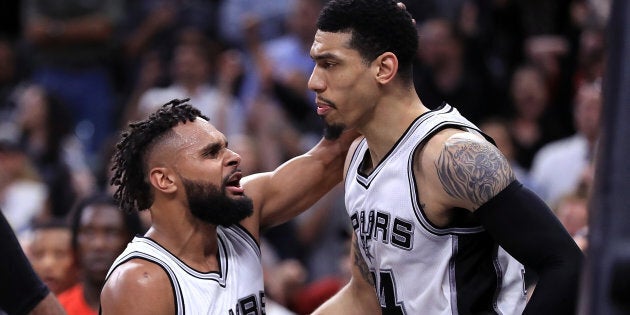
236	289
420	268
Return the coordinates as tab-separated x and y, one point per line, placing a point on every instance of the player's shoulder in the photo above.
137	274
454	139
137	280
470	169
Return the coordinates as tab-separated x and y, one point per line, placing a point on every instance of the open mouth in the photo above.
234	180
233	183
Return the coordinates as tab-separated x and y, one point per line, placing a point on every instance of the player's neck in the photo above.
195	244
390	121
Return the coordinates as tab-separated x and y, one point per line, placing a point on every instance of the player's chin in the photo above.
333	131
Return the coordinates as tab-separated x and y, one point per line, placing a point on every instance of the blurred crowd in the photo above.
74	73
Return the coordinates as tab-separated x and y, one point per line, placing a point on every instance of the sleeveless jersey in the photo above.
236	289
417	267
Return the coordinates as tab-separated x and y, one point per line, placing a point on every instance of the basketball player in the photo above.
201	254
441	226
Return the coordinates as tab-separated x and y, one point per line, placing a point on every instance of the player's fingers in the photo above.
404	7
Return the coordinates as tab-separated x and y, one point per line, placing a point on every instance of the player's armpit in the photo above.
358	296
137	287
472	170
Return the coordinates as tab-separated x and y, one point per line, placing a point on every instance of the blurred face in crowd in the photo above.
50	253
31	108
500	133
101	237
587	110
190	66
529	92
572	212
437	46
303	19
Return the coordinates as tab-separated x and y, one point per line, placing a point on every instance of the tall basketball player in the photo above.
441	226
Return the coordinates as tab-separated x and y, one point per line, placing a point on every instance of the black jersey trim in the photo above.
219	277
365	179
413	185
243	233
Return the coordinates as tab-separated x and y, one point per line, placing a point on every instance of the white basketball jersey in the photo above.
419	268
236	289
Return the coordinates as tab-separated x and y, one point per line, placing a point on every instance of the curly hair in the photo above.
377	26
129	160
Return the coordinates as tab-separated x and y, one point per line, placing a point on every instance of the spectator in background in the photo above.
279	106
149	30
499	130
324	235
235	14
572	211
71	44
530	124
191	74
45	131
443	73
283	67
22	193
590	56
49	249
8	80
559	165
100	232
154	25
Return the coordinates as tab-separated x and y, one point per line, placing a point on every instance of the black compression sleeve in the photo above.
20	288
527	229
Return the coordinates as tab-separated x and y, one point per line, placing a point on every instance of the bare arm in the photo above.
297	184
358	296
137	287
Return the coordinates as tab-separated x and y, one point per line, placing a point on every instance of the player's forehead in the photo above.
196	134
331	45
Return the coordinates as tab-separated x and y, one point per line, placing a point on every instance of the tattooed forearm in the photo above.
472	170
360	263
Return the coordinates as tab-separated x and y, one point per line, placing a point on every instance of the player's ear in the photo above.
162	179
387	65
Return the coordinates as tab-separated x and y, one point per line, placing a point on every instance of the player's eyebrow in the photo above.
213	148
323	56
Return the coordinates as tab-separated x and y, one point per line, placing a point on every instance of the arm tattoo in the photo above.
360	263
472	170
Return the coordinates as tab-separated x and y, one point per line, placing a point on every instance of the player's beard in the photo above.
333	131
210	204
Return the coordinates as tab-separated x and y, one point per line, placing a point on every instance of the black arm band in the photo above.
20	288
527	229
